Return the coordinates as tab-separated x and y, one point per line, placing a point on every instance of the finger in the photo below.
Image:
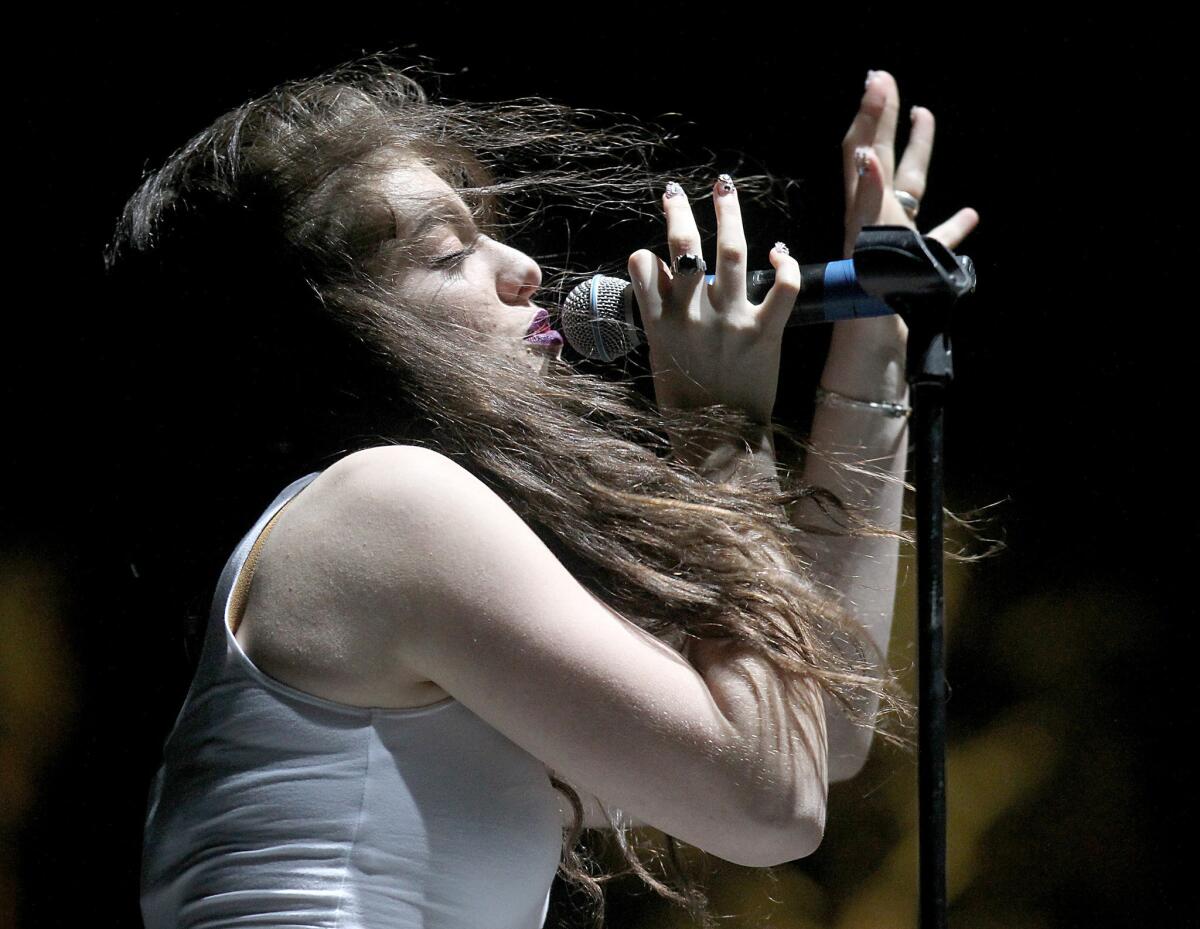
952	232
683	238
776	308
873	125
730	282
868	197
651	284
913	170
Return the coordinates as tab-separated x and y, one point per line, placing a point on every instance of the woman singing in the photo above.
495	600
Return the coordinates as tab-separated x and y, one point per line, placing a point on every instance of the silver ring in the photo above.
688	264
912	206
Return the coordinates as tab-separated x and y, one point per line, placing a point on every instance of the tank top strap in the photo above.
233	566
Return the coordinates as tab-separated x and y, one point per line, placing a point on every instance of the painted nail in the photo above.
783	249
673	190
726	184
862	158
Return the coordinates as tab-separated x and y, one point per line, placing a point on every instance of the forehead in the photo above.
408	179
417	195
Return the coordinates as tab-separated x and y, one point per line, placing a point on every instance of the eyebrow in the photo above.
442	209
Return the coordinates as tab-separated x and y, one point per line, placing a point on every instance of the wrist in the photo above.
867	359
886	334
721	458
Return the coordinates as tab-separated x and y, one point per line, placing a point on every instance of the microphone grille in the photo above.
597	318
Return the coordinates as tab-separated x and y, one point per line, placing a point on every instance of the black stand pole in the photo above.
928	421
921	279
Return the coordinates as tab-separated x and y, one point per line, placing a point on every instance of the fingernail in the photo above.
673	190
782	249
862	158
867	83
912	114
725	183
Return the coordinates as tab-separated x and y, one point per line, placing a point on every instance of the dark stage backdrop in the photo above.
1071	137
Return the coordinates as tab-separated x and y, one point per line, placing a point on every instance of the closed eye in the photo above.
453	263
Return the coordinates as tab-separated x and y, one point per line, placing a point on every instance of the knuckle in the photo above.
787	277
789	283
731	251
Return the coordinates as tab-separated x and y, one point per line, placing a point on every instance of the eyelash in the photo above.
453	263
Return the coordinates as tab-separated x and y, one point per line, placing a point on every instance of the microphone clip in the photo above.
921	280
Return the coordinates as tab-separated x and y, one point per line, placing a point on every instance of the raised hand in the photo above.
866	356
708	344
872	176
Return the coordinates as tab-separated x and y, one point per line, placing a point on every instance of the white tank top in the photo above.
277	808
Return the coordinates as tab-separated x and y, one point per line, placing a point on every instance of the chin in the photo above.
539	359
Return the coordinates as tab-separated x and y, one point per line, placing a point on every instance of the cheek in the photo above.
466	303
476	307
454	301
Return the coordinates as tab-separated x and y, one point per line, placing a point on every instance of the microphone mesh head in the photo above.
597	318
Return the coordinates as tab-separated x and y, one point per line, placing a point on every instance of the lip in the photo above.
547	338
540	332
540	318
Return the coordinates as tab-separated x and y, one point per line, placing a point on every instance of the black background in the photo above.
1071	138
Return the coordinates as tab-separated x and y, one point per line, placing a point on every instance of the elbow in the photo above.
849	749
776	845
806	831
846	766
803	839
812	841
793	832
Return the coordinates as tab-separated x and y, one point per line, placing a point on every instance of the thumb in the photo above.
647	272
956	228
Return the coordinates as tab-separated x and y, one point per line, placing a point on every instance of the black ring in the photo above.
688	264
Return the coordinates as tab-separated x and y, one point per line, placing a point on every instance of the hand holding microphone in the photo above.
601	317
710	344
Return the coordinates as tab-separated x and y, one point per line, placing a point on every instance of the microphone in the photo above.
601	319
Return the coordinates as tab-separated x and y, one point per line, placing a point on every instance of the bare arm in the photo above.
866	361
863	572
468	596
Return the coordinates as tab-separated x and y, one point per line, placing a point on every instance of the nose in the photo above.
520	276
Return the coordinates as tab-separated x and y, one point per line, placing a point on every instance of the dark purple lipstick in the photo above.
541	333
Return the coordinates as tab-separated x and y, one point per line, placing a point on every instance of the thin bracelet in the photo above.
836	399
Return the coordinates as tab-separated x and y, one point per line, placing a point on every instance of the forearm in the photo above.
722	458
866	361
785	741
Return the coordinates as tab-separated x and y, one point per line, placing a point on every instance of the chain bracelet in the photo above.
889	409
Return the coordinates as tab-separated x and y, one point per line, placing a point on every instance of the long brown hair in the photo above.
267	232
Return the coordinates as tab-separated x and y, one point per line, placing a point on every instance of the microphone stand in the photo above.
921	280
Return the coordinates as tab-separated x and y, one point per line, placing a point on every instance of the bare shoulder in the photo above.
306	622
